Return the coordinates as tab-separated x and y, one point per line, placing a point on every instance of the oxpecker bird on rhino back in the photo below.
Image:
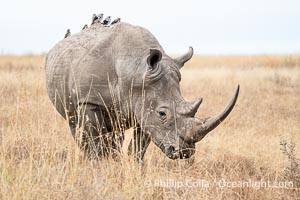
107	79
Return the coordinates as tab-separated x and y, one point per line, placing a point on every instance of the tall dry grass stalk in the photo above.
39	158
291	172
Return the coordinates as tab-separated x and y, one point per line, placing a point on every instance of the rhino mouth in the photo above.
178	153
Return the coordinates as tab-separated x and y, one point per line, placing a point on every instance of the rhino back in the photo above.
78	68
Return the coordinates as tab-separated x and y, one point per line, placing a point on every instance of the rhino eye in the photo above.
162	114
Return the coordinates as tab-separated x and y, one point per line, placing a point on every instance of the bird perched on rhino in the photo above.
94	19
106	21
100	17
85	27
116	21
68	33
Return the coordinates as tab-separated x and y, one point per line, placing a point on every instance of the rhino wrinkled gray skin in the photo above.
105	79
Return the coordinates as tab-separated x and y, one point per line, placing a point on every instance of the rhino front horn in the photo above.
200	127
184	58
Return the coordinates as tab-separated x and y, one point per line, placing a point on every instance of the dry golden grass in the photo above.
39	159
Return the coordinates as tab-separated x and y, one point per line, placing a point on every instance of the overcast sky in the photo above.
210	26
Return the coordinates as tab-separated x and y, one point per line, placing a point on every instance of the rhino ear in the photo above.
153	58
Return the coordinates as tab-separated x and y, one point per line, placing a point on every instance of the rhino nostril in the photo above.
171	152
170	149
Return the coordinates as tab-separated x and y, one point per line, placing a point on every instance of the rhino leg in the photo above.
139	144
95	135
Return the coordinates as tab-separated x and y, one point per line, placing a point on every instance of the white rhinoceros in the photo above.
105	79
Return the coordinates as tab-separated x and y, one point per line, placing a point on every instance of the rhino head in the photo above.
168	118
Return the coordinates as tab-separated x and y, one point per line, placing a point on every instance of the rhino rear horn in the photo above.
184	58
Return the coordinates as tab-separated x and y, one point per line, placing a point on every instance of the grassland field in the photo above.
39	158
